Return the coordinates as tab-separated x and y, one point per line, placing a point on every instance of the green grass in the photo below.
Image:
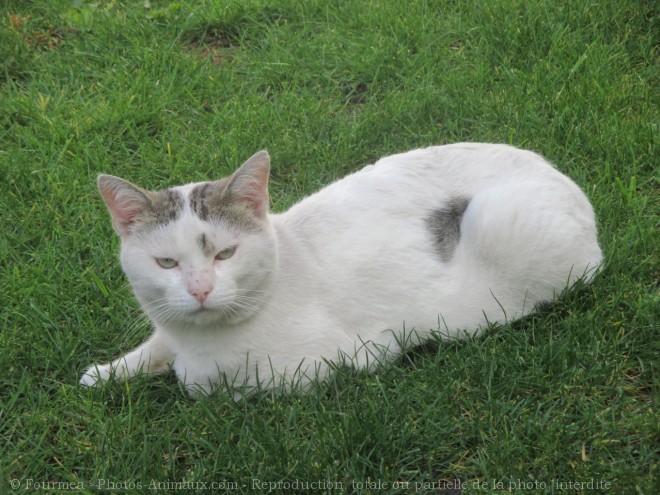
184	91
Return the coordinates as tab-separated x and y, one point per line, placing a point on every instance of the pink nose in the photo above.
200	292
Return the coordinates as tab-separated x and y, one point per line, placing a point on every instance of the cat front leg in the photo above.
153	356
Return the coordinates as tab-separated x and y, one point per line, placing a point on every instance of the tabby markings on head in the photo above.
166	206
207	248
212	202
160	208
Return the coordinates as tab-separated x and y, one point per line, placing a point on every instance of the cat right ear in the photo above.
249	183
125	202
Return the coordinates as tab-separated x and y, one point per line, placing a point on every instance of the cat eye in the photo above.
167	263
226	253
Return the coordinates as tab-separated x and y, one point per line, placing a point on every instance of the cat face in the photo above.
199	254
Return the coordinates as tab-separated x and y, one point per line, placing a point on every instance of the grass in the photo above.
167	92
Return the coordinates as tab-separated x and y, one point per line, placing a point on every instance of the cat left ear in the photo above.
250	183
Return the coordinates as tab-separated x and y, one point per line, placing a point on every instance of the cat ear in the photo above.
249	183
124	200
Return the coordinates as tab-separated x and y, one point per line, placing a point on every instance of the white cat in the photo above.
437	240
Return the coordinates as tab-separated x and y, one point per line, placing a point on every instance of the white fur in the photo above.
352	271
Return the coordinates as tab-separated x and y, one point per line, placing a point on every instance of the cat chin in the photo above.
201	318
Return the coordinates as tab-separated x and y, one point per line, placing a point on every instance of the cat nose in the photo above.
200	292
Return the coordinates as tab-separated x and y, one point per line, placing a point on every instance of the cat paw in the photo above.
95	375
198	390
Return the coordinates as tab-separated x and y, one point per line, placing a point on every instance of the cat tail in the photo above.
540	236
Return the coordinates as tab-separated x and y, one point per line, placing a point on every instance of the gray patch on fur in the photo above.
212	201
166	206
207	248
160	208
198	200
445	226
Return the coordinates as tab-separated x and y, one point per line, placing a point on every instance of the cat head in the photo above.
198	254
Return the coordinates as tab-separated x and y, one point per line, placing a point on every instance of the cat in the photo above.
443	240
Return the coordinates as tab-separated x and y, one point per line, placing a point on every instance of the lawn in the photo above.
163	93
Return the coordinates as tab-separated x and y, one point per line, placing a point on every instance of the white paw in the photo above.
198	390
96	374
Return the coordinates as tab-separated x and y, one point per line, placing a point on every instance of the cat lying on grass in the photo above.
439	240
